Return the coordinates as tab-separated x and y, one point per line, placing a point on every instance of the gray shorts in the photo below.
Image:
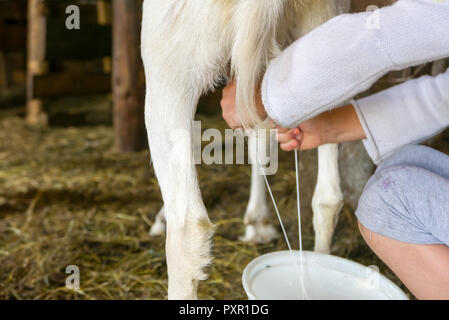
407	199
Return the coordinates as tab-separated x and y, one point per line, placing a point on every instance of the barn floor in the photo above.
67	198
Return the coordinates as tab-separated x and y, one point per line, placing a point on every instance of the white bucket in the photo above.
275	276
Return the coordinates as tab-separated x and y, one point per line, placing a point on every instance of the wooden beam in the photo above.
128	76
91	41
36	64
57	85
104	13
104	17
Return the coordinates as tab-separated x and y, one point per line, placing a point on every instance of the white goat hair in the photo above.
187	48
258	228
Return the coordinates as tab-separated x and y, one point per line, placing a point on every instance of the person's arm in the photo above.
346	55
404	114
334	126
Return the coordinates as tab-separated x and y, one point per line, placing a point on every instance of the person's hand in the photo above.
335	126
309	135
228	106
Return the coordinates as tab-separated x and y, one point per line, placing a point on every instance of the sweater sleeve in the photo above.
405	114
348	54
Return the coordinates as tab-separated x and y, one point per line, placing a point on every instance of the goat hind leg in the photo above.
327	199
158	227
258	229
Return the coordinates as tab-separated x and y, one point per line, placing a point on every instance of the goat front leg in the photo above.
169	120
258	228
327	199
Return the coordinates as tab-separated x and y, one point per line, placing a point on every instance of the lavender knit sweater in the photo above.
346	55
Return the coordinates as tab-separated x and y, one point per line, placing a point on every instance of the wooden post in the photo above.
36	64
3	75
104	18
103	12
128	77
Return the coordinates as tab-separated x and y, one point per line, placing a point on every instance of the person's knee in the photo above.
389	189
384	190
388	208
382	203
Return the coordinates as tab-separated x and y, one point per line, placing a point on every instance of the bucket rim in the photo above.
249	269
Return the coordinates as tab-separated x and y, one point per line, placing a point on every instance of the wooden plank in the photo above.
104	13
13	17
13	10
128	77
12	37
56	9
104	17
36	64
56	85
89	42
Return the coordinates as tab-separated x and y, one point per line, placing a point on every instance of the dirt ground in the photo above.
67	198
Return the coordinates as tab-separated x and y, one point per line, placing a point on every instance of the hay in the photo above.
67	198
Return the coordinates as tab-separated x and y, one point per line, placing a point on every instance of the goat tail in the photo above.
261	28
255	45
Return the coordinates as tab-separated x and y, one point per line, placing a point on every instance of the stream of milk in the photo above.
300	262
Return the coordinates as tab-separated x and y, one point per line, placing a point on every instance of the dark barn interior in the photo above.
76	182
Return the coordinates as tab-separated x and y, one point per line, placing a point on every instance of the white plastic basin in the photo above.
275	276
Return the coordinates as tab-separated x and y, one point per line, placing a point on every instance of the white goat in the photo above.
187	46
258	228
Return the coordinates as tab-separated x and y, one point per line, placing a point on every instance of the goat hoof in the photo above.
259	233
157	229
322	249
